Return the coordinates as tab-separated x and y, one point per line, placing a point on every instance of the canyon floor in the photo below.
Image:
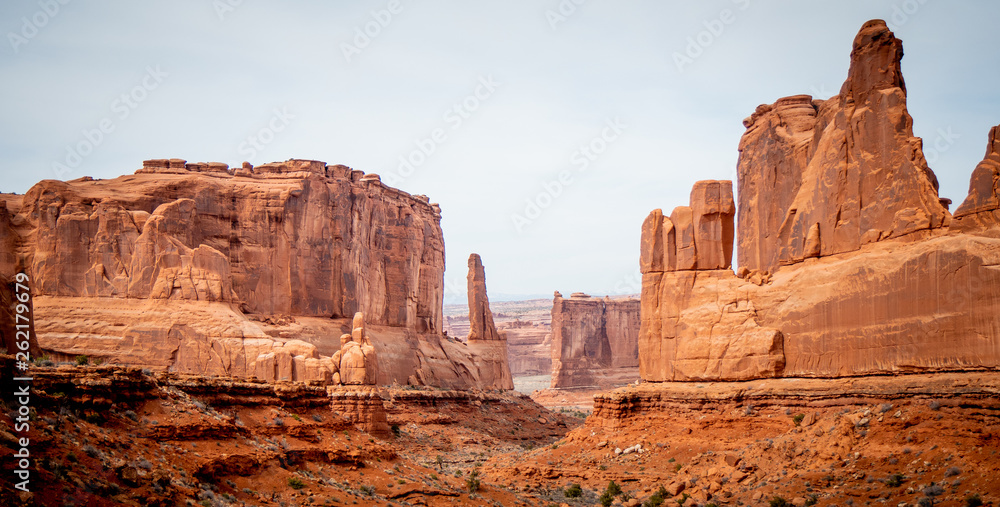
118	436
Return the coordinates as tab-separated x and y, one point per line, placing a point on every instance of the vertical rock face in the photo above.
300	238
594	341
849	262
488	344
199	268
820	178
688	330
699	236
981	209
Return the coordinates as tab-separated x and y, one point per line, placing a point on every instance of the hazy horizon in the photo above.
481	106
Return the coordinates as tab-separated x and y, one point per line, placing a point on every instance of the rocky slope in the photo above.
252	271
594	341
893	440
112	435
849	262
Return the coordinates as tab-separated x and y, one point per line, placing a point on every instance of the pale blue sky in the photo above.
555	84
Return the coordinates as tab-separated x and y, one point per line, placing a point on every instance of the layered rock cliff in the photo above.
849	262
162	268
594	341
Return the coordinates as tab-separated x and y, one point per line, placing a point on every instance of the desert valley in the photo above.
824	330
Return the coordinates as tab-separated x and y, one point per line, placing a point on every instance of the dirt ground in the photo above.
116	437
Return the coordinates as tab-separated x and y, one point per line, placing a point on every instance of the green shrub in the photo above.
895	480
82	360
606	499
973	501
798	419
472	482
613	488
573	491
296	483
657	499
779	502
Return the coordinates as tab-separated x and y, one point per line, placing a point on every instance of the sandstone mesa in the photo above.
246	272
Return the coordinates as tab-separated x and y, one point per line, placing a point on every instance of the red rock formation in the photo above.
694	324
849	265
826	177
981	209
699	236
489	345
529	348
356	362
594	341
160	269
363	407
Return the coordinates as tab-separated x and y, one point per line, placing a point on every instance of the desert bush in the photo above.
472	482
778	501
91	451
973	500
798	419
613	488
952	471
933	490
82	360
278	421
573	491
296	483
657	499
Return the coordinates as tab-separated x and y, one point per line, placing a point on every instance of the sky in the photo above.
546	129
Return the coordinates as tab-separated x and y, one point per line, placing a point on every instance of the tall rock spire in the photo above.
484	339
